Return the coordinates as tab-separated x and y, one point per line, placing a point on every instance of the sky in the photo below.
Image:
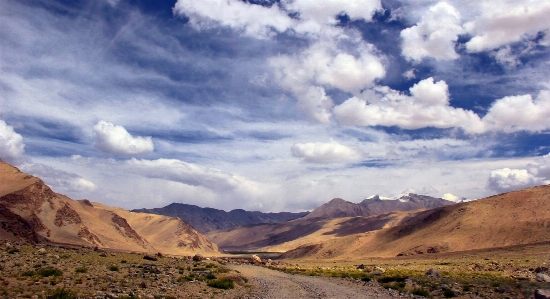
275	105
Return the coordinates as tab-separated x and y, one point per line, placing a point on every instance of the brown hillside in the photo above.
519	217
31	211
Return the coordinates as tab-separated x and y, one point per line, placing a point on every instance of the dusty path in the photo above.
278	285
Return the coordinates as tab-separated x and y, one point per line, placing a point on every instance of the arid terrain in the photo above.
55	247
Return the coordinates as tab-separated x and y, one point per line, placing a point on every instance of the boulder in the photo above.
542	294
255	259
433	273
543	277
198	257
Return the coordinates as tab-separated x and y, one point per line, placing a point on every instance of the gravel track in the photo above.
271	284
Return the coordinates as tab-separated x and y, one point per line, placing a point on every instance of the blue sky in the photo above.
275	105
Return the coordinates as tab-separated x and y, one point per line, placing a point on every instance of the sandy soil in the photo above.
275	284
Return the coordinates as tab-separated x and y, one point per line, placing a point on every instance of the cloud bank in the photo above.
11	143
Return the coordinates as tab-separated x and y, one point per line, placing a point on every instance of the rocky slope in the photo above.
208	219
338	207
31	211
318	225
514	218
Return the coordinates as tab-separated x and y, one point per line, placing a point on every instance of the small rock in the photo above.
542	294
543	277
149	257
377	273
143	285
541	269
103	254
380	269
9	246
433	273
42	251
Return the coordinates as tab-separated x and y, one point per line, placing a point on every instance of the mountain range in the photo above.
32	212
409	225
209	219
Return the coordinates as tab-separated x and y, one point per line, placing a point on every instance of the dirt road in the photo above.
278	285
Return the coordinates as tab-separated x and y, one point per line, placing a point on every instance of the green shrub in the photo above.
81	270
210	276
113	268
123	261
448	293
387	279
62	294
421	292
28	273
222	283
47	272
13	250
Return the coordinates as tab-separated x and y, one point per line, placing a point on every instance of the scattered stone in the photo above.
198	257
541	269
542	294
433	273
9	246
149	257
42	251
380	269
143	285
543	277
103	254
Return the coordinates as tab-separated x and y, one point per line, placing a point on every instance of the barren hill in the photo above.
318	224
208	219
31	211
518	217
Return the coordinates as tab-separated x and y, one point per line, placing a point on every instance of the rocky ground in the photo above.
41	271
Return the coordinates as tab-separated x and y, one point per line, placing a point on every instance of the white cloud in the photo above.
325	153
506	179
60	181
516	113
325	11
505	57
507	22
428	106
254	20
192	174
435	35
116	140
11	143
451	197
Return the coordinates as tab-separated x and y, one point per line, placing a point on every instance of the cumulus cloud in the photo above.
427	106
451	197
435	35
517	113
254	20
505	23
506	179
322	65
325	153
116	140
11	143
193	175
326	11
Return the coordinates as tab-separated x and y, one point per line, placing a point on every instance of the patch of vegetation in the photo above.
210	276
62	294
448	293
47	272
222	283
13	250
113	268
81	270
421	292
29	273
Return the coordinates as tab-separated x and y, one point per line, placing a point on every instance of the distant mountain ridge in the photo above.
338	208
209	219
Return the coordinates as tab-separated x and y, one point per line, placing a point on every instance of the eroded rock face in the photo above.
66	215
